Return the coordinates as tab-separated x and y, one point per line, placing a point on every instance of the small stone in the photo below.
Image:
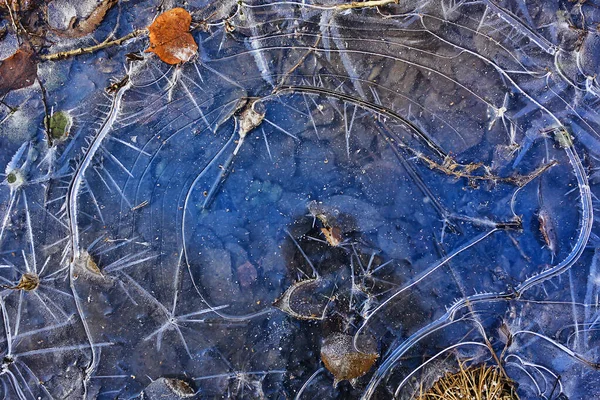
246	274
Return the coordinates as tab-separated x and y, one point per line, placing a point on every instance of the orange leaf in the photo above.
170	37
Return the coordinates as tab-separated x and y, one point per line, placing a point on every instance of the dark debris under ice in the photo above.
330	200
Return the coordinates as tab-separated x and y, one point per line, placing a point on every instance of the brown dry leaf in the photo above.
333	234
182	389
18	71
343	360
305	300
27	282
87	25
170	37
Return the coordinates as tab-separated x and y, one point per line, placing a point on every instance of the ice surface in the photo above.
420	173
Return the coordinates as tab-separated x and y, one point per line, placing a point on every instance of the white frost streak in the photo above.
346	61
184	54
78	178
259	58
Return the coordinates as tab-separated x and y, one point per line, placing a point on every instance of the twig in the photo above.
83	50
12	109
46	112
12	18
364	4
350	5
452	168
300	61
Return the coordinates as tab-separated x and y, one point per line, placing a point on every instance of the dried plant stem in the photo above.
452	168
84	50
364	4
479	383
300	61
12	18
351	5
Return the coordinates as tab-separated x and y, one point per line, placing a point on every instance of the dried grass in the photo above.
482	382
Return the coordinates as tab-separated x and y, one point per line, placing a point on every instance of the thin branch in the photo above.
12	18
452	168
363	4
349	5
84	50
300	61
